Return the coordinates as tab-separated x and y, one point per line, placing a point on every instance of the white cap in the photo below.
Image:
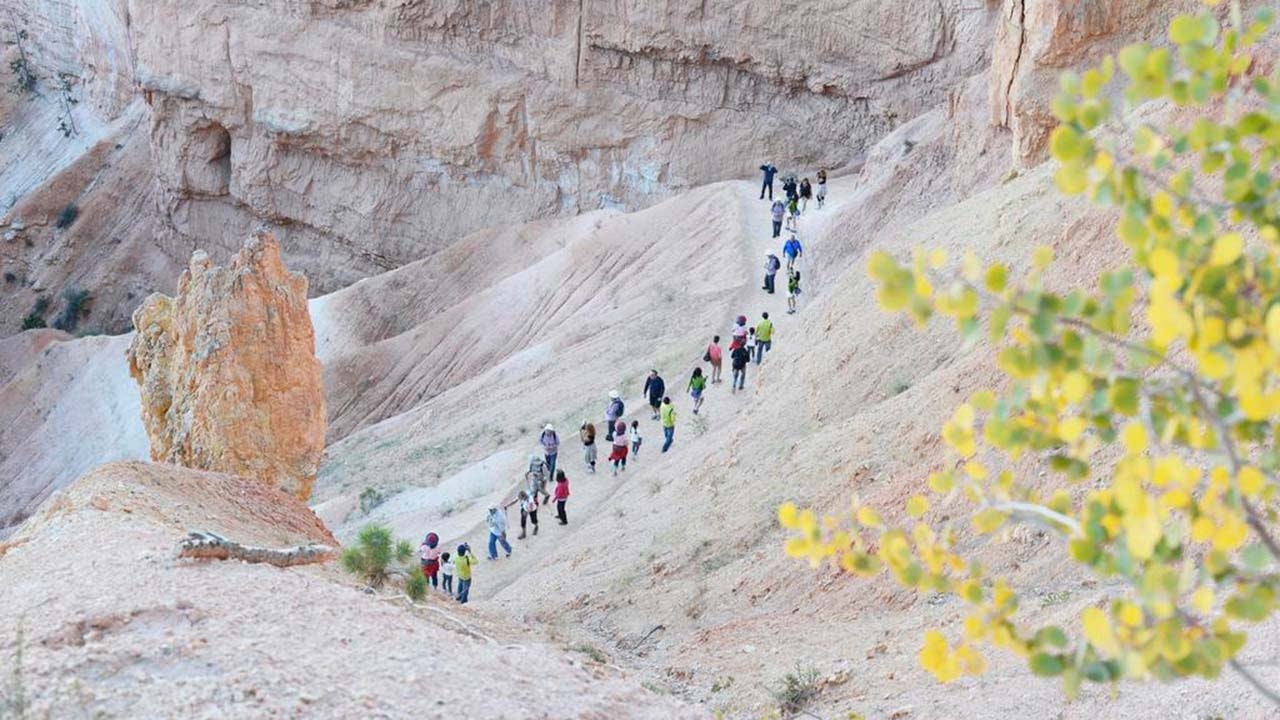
613	394
548	427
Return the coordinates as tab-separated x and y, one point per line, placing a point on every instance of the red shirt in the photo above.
562	490
714	351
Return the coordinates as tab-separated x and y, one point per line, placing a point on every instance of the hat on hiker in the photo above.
463	548
613	394
432	539
548	427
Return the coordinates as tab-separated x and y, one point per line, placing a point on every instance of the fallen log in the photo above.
211	546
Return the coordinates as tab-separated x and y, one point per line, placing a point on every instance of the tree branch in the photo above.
1267	692
210	546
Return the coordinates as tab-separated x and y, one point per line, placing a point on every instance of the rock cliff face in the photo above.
372	134
228	372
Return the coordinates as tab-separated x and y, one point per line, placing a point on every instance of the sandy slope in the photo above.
120	629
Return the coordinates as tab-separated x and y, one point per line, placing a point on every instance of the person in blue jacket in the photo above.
769	171
655	389
792	250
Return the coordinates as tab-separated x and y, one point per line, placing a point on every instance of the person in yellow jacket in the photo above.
462	563
667	416
764	337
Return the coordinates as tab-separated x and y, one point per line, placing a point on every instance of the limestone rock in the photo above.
228	373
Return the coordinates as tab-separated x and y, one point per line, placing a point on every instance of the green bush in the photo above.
32	321
76	307
67	216
797	689
374	552
416	586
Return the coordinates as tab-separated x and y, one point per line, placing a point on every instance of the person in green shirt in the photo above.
697	384
764	337
462	565
667	417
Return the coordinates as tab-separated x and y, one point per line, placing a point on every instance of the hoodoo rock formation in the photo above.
228	373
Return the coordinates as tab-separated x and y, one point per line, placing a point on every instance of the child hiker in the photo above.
634	436
528	512
463	563
446	573
697	384
430	555
588	435
793	291
562	496
618	454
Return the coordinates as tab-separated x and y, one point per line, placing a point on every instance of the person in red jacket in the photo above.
562	496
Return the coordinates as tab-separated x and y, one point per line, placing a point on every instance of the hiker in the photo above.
771	266
776	211
668	423
614	411
764	337
528	512
697	383
550	447
446	573
634	436
618	454
588	434
536	476
497	522
740	357
430	555
739	333
793	291
792	251
806	192
793	214
462	563
751	343
562	496
822	188
714	356
654	387
767	185
789	187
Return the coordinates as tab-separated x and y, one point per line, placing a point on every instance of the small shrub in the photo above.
596	654
13	699
32	321
76	307
416	586
797	689
24	78
373	554
42	305
371	498
10	277
67	216
900	386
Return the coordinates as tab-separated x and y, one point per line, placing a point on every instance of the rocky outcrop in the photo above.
228	373
373	134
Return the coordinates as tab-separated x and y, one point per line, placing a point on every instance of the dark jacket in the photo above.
741	355
806	190
789	187
654	388
769	171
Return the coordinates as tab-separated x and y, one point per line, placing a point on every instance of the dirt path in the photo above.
592	493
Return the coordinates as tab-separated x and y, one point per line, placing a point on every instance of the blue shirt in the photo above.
792	248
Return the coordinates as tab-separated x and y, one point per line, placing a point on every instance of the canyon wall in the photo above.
369	134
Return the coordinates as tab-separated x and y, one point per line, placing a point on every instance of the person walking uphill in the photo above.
806	192
528	512
462	564
740	356
618	455
792	251
697	384
668	416
612	413
550	447
715	356
771	267
767	185
497	522
764	337
588	434
654	388
429	552
776	212
562	496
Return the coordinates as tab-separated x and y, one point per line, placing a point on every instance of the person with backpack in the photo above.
668	417
462	563
614	411
821	194
740	356
429	552
654	387
751	343
771	267
739	333
789	188
536	476
806	192
618	454
714	355
767	185
764	337
528	512
793	214
776	211
550	447
497	522
588	435
792	251
562	496
793	291
697	384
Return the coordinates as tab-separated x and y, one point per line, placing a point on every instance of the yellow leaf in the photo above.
937	258
1164	264
1097	630
1135	438
1202	600
975	470
787	515
868	517
917	506
1042	256
1074	387
797	547
1273	327
987	520
936	657
1230	535
1071	429
1202	529
1226	249
1251	481
1130	614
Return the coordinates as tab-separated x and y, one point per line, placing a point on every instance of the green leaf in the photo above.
1185	29
1046	665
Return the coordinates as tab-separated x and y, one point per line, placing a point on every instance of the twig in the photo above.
1037	511
640	642
1267	692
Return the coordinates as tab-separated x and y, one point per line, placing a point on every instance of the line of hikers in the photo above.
747	345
